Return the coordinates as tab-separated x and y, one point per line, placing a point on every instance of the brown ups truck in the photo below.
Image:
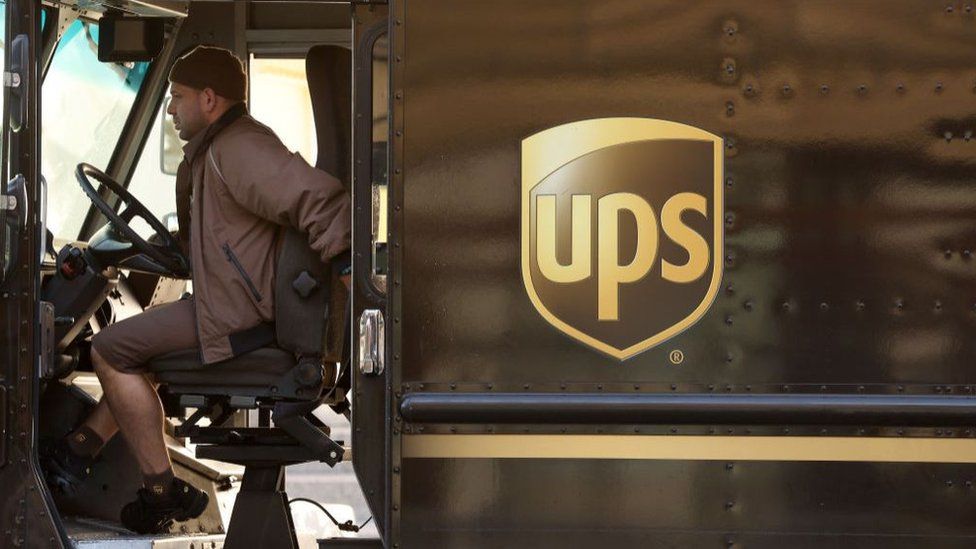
627	273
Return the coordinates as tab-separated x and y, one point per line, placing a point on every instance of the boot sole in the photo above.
197	507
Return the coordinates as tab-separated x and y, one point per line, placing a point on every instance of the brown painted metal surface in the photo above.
26	509
849	235
849	166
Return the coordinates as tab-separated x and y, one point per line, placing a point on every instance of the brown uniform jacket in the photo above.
245	187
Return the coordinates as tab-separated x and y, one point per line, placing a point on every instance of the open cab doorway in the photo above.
90	159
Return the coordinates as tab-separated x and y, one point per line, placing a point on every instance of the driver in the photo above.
236	187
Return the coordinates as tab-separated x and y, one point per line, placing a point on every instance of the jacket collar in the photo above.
201	140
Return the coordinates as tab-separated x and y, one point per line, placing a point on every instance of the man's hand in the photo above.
345	280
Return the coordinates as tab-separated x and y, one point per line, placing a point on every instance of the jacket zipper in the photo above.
240	269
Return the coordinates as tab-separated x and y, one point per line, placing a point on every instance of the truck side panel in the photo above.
847	272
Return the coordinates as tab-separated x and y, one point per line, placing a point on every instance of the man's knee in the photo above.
108	352
101	359
99	364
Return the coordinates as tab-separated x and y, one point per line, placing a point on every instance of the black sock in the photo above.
83	441
159	484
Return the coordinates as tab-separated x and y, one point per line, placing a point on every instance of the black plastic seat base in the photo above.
262	367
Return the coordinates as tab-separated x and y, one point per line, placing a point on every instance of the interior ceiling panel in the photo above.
144	8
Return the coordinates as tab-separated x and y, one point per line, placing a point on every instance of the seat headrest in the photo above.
329	73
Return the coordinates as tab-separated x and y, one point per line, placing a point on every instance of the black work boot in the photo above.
152	513
64	470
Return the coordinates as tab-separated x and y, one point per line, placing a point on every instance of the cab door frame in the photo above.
373	426
27	511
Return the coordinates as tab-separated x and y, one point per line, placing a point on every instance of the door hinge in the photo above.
48	354
11	79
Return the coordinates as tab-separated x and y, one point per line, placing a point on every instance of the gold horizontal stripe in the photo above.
745	448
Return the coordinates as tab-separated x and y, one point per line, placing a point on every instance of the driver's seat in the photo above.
301	363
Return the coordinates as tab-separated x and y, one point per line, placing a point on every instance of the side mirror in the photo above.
170	146
171	222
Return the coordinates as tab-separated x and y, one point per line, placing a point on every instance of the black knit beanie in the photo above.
214	68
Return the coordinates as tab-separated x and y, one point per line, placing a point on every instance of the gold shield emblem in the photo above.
622	233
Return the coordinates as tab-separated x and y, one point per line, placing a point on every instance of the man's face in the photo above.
186	106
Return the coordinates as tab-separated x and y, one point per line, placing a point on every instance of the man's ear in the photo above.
208	100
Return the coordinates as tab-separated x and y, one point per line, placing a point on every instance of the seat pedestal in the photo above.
261	517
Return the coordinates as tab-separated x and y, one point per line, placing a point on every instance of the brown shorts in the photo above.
128	345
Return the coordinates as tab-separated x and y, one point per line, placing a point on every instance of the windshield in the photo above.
3	25
85	104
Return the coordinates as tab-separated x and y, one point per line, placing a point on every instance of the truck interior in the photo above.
109	157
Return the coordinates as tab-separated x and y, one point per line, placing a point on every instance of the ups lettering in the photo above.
611	274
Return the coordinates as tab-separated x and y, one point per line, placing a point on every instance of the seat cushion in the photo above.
262	367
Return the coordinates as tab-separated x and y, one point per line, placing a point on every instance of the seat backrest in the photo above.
329	73
310	302
302	295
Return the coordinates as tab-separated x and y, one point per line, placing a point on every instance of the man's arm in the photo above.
268	180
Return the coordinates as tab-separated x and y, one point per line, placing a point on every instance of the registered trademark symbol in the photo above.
677	357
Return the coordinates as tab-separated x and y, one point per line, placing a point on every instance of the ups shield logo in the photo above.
622	229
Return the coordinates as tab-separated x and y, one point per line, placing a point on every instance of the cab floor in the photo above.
96	534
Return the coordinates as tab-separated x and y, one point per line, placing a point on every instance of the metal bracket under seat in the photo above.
298	436
261	517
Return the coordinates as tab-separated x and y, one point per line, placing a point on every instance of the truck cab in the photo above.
88	240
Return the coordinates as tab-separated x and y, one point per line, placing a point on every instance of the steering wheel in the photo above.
166	257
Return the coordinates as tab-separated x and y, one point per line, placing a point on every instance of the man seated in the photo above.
236	187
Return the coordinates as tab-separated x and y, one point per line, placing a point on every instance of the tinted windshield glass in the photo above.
85	104
151	185
3	45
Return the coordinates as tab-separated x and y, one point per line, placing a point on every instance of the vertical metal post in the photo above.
27	512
